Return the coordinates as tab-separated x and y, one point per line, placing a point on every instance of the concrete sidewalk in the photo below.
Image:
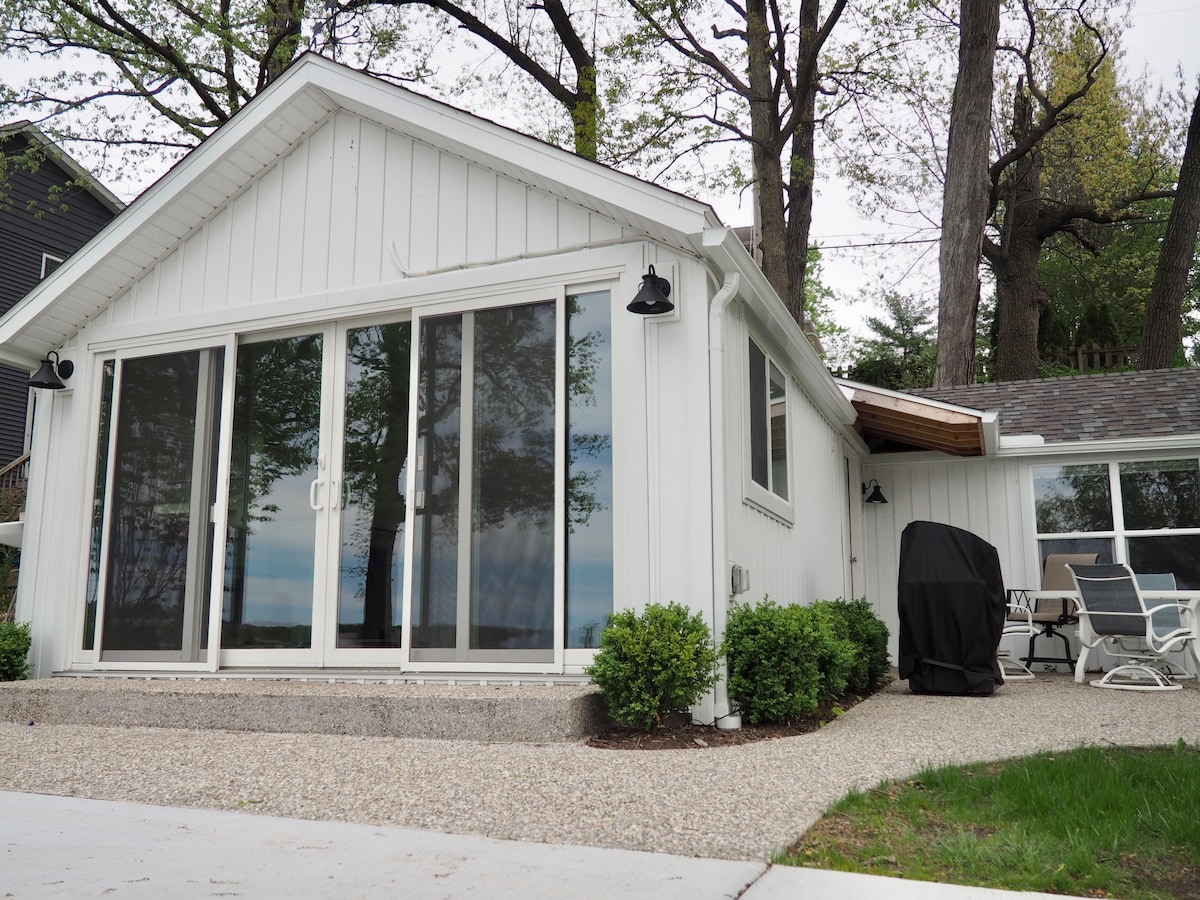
66	847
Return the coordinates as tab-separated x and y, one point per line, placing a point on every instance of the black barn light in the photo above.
651	299
52	372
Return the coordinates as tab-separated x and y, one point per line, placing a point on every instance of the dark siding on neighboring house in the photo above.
24	237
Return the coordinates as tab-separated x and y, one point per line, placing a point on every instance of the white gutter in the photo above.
716	428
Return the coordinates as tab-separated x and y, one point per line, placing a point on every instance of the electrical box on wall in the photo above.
740	580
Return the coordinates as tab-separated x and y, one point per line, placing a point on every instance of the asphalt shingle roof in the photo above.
1160	402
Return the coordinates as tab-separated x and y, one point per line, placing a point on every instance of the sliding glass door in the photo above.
152	538
487	501
394	493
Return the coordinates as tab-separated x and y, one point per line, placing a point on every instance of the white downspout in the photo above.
716	426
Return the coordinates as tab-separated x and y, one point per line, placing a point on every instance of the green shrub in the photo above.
651	665
870	634
773	658
15	639
785	661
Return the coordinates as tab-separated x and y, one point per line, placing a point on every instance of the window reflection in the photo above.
1072	498
272	540
589	468
1161	494
375	448
160	542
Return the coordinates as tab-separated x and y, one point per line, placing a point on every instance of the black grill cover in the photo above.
952	609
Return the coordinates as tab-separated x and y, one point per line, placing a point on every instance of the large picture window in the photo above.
1145	513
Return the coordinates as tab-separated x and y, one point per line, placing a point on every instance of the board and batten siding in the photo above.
979	495
343	209
805	559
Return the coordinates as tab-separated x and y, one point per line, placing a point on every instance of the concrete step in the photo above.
459	711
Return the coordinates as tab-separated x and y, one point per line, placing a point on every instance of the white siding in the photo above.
979	495
806	559
328	215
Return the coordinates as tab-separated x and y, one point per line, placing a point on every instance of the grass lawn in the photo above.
1094	822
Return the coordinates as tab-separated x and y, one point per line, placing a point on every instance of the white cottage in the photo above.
355	389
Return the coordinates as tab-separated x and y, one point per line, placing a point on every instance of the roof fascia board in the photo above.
726	253
1184	442
143	210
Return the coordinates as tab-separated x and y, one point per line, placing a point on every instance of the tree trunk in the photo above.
1020	297
965	203
803	167
765	134
1160	332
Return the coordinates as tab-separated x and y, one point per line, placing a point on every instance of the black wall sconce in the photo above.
876	495
651	299
52	373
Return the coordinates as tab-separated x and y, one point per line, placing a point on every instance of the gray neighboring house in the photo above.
36	236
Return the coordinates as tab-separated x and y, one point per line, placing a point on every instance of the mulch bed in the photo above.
684	736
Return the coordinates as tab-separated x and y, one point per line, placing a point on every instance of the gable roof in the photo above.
1113	405
298	103
267	128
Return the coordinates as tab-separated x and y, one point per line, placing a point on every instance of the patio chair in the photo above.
1049	609
1113	614
1018	623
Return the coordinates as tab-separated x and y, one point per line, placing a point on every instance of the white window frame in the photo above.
765	497
48	258
1119	534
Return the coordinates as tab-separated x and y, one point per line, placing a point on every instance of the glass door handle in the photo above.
313	503
335	494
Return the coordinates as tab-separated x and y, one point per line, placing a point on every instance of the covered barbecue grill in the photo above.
952	608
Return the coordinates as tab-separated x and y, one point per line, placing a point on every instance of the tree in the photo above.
903	353
1160	337
142	81
964	210
1074	127
755	81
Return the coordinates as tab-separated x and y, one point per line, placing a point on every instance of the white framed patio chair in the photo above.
1018	623
1113	615
1043	612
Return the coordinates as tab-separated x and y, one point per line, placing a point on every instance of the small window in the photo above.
50	263
768	424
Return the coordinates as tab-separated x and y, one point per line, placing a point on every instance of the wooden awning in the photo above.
891	421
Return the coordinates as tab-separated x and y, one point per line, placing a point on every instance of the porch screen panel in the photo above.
435	583
160	542
513	473
589	468
272	531
374	470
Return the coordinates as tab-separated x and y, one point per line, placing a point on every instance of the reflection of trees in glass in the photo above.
376	449
589	599
1072	499
585	352
514	416
276	430
151	499
1162	494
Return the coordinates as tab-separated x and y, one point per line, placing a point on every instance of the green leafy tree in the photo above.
903	353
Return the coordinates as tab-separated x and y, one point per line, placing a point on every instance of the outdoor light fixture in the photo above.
651	299
876	495
52	373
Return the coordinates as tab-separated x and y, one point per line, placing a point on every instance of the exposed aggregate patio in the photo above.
738	802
